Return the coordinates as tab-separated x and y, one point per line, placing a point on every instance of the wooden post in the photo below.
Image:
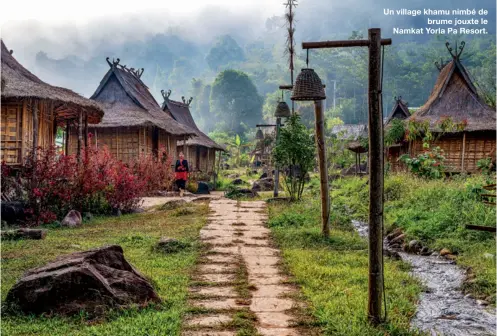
276	170
86	129
323	171
67	137
463	150
184	147
80	135
375	121
34	107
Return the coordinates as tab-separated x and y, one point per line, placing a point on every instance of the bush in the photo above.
428	164
99	183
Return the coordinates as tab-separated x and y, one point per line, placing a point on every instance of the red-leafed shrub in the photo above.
98	183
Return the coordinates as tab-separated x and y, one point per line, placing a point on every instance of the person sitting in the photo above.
181	173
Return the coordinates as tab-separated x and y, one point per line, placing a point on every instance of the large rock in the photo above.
86	281
24	233
263	176
237	181
72	219
203	188
248	193
265	184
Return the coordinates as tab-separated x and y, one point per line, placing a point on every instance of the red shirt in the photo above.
181	174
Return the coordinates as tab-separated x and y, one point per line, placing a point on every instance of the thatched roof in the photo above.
127	102
20	83
455	96
181	113
399	110
349	131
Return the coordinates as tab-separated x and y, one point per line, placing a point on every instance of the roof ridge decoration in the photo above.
165	94
186	102
458	51
115	64
441	65
398	99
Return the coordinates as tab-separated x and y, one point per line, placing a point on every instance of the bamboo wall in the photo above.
199	158
126	143
463	150
17	130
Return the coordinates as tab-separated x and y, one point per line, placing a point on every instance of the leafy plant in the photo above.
294	148
395	132
428	164
484	165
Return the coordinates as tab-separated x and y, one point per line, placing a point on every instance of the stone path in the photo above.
239	276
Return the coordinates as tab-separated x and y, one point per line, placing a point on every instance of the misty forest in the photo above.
218	174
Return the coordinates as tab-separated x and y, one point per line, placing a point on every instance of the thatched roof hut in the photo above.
32	110
455	96
399	110
199	149
22	84
134	123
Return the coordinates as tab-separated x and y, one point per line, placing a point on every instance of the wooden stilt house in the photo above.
400	111
455	96
134	123
32	110
199	150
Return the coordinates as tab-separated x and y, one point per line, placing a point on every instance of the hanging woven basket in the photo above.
308	86
282	110
259	134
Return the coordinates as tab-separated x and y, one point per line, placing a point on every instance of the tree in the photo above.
224	51
234	100
295	148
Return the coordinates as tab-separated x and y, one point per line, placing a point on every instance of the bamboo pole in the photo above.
67	137
34	107
80	135
463	150
323	171
276	170
375	180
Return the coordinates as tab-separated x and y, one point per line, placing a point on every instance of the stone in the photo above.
209	320
170	245
413	247
174	204
444	252
392	254
13	212
79	281
265	184
273	320
263	176
270	305
399	239
482	302
24	234
203	188
450	257
238	181
248	193
425	251
72	219
394	234
469	296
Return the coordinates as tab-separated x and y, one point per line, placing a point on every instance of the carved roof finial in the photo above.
165	94
114	62
458	51
440	65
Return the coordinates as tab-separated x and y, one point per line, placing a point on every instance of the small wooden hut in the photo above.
199	150
455	96
134	123
394	151
32	110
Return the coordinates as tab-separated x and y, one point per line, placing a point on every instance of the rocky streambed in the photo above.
443	308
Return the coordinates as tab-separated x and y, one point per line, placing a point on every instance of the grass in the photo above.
137	234
333	273
434	212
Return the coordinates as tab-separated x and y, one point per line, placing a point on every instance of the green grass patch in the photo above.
333	273
137	234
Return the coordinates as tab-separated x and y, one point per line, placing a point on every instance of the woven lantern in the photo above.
259	134
308	86
282	110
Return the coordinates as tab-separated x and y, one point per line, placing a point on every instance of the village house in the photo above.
400	111
200	150
32	110
134	123
455	96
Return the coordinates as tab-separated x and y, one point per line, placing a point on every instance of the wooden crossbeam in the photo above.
342	44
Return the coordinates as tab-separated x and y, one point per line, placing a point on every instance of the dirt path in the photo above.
239	287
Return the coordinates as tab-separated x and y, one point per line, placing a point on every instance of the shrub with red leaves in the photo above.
98	183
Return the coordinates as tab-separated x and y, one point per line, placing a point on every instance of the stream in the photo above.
443	309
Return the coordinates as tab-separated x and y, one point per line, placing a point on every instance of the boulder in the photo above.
248	193
425	251
392	254
394	234
413	247
263	176
24	234
398	240
86	281
174	204
265	184
72	219
238	181
444	252
170	245
203	188
13	212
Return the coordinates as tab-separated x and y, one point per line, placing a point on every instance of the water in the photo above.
442	308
